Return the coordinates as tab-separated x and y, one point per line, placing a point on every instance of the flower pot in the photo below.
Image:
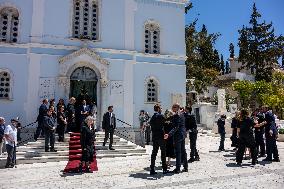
280	138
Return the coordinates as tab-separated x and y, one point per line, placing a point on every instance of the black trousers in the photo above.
181	155
192	140
246	141
271	147
61	131
147	135
222	140
49	139
109	135
156	145
39	130
11	159
259	141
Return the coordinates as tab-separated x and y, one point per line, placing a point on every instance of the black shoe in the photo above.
104	144
153	172
166	171
276	160
254	162
191	160
266	159
111	148
176	171
53	150
185	170
46	150
239	163
88	170
221	150
197	158
80	169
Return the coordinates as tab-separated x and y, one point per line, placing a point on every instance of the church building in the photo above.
125	53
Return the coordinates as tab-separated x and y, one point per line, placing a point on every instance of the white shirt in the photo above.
12	132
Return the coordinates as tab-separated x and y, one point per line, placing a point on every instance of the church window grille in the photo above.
152	38
4	85
9	23
85	21
152	90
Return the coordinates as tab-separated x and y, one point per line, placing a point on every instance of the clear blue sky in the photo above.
228	16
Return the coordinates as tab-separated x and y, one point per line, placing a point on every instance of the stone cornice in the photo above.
83	51
178	3
98	50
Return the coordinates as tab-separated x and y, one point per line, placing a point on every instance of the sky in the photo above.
228	16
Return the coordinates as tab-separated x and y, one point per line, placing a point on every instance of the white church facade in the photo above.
125	53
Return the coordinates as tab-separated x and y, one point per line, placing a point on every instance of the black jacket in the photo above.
88	136
190	122
221	126
179	130
106	121
157	123
49	122
42	112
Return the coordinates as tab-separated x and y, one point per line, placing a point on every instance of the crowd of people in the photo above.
255	133
169	131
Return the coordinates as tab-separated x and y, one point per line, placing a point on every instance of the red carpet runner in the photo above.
75	154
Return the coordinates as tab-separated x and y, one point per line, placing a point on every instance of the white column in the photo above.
128	92
37	21
129	15
32	101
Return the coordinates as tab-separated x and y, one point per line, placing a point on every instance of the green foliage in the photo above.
232	50
203	62
260	48
281	131
245	90
264	93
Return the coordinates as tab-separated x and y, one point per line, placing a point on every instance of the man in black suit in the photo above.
179	134
40	118
157	127
191	127
109	125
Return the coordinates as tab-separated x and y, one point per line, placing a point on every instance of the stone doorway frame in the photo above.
84	58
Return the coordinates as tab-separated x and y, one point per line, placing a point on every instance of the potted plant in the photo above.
281	135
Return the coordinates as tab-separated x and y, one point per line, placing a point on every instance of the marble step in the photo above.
31	154
40	143
66	148
44	159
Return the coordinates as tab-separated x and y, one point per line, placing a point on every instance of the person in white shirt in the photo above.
10	134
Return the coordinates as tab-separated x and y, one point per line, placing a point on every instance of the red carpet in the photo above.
75	154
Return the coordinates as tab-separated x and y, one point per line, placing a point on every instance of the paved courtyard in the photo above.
215	170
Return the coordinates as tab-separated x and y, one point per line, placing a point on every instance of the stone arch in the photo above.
11	82
156	82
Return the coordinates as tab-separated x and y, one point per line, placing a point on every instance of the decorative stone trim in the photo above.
81	52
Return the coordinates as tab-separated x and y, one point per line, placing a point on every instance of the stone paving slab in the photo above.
215	170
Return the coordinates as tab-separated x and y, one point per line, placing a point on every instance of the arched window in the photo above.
9	23
152	90
5	88
85	20
152	38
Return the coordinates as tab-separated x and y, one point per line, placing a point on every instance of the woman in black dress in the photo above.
87	143
170	150
61	123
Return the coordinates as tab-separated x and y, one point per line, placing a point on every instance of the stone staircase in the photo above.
33	152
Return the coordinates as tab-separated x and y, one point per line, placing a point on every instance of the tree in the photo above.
222	63
245	89
227	68
188	6
232	50
260	48
203	61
